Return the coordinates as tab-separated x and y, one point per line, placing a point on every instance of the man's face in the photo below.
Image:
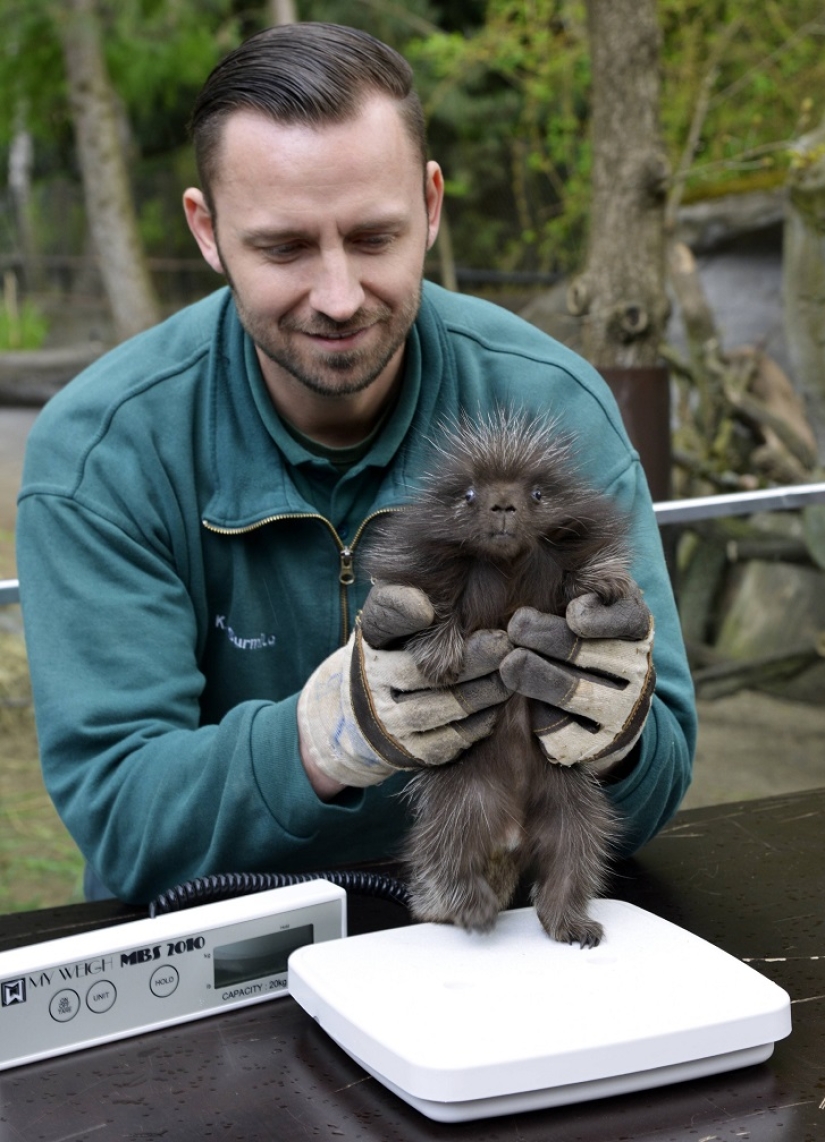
322	234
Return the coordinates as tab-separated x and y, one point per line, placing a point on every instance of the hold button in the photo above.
164	981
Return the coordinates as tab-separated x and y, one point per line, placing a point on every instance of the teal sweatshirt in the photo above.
185	563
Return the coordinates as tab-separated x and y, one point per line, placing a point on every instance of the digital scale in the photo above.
465	1026
95	987
459	1025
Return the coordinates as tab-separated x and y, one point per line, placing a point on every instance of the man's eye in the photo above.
374	243
283	253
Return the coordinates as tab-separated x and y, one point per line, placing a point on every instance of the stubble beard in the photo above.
331	374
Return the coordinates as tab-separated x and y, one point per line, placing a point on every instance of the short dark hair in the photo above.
306	73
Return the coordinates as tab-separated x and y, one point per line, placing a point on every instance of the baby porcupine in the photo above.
503	522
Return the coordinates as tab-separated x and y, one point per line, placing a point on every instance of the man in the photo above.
194	504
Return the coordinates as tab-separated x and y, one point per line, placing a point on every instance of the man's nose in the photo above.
336	290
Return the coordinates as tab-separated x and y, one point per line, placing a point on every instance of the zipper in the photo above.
346	552
347	574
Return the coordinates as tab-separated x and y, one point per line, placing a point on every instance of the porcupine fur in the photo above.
502	522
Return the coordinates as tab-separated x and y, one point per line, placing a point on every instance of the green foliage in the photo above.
32	87
159	180
22	325
745	79
393	21
763	72
159	54
506	85
513	95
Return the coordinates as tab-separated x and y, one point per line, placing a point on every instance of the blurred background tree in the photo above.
96	95
739	83
506	84
102	145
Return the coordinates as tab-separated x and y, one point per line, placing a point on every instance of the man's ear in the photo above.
199	220
434	197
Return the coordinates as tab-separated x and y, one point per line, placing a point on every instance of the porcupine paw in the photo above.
615	586
471	905
439	654
572	929
502	874
479	909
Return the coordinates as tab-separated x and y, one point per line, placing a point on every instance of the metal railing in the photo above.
9	592
739	503
666	512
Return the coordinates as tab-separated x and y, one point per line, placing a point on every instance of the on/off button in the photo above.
64	1005
164	981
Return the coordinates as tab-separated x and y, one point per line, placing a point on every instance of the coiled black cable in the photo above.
226	885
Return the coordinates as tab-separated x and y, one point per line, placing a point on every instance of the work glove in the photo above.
590	675
368	711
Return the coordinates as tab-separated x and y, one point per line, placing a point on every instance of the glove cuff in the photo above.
385	747
624	742
565	742
329	735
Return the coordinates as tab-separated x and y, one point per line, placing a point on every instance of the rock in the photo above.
29	378
772	609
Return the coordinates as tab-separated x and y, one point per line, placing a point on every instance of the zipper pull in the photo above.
346	577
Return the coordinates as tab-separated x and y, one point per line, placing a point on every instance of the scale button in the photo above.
164	981
64	1005
101	996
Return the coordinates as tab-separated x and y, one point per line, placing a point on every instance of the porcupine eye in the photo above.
470	495
536	494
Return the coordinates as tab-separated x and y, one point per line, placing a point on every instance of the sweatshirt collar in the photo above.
251	449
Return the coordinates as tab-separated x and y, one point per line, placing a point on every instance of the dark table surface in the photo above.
749	877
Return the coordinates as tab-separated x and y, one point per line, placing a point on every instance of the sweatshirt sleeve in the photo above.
151	796
650	794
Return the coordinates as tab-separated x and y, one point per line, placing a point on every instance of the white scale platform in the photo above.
465	1026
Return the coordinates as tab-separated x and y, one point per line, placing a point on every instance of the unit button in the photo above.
64	1005
101	996
164	981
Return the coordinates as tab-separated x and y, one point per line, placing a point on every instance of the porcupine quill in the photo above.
502	522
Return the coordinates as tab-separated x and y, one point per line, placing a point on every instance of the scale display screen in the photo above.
258	956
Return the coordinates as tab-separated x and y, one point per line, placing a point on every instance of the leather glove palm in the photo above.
590	675
368	711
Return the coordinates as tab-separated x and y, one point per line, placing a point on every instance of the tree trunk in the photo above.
446	255
282	12
109	205
21	161
622	290
803	277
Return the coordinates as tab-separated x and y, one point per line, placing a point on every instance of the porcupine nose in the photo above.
504	506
